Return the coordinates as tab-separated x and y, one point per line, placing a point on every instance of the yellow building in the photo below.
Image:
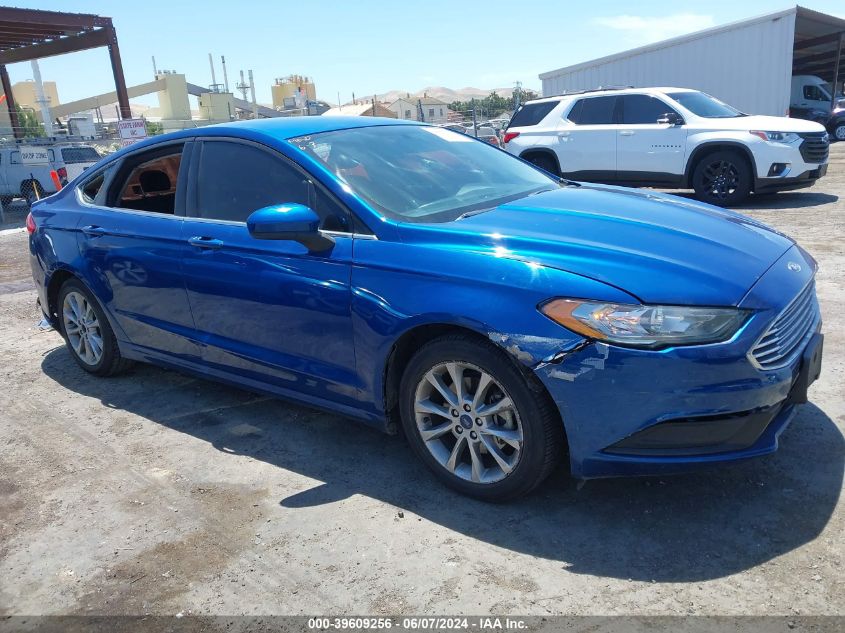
291	86
26	97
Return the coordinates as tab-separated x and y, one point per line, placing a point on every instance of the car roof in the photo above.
609	91
290	127
279	129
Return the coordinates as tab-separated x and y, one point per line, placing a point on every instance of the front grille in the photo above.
815	147
788	333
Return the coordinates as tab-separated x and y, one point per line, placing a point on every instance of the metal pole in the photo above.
252	89
213	77
155	68
225	76
117	71
10	102
41	99
474	120
836	70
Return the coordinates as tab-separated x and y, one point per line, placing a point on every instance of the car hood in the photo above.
759	122
659	248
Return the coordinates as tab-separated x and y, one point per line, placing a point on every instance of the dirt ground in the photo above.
160	493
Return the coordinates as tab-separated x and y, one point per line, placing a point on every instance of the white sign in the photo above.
131	130
34	155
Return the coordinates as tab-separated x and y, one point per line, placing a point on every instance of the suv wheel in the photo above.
839	131
722	178
544	162
87	332
472	417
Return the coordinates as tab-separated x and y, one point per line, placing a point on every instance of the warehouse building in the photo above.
748	64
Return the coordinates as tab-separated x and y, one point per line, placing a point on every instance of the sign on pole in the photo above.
31	155
131	131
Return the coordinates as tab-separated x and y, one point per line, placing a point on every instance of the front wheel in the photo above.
722	178
476	421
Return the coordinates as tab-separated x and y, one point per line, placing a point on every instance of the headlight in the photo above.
645	325
777	137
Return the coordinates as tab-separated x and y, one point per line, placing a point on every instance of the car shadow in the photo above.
782	200
668	529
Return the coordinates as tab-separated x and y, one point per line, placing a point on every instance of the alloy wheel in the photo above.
720	179
82	328
839	132
468	422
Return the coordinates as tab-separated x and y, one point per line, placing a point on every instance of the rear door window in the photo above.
597	111
531	113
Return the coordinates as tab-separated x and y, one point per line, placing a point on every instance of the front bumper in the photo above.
799	165
624	409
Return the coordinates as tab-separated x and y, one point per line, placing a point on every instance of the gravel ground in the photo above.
161	493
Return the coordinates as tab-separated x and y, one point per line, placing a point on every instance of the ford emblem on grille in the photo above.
794	267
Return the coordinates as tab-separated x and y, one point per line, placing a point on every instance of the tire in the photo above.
526	437
32	192
6	200
544	162
83	346
839	131
722	178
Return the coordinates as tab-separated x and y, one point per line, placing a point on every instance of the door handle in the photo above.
93	231
205	242
626	133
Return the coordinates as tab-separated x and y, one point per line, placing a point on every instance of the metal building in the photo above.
748	64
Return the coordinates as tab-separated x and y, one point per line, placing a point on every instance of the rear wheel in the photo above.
544	162
722	178
87	332
473	418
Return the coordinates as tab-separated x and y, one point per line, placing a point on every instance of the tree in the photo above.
29	124
153	128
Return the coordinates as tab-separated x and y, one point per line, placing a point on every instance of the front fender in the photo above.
493	296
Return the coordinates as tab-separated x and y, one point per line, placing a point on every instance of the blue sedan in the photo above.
415	278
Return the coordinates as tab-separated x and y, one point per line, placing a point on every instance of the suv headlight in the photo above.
645	325
777	137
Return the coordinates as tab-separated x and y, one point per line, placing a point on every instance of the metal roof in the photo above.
22	28
819	26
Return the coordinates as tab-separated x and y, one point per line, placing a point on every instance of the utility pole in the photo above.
474	120
517	92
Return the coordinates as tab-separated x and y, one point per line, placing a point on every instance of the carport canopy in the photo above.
27	34
818	46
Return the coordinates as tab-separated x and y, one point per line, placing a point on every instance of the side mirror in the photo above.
672	118
294	222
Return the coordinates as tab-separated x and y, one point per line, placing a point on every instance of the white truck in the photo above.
25	168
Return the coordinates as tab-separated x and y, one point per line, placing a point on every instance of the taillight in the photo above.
30	224
509	136
62	171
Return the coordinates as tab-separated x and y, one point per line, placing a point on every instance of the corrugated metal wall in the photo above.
748	66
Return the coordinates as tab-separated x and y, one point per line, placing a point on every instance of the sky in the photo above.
369	47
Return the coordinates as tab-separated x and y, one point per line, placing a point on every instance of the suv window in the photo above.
595	111
236	179
642	109
151	185
531	113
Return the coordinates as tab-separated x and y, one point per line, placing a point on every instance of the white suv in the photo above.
668	137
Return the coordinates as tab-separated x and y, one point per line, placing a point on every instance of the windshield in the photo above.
704	105
419	173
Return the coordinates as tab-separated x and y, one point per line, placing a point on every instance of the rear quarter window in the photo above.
531	113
